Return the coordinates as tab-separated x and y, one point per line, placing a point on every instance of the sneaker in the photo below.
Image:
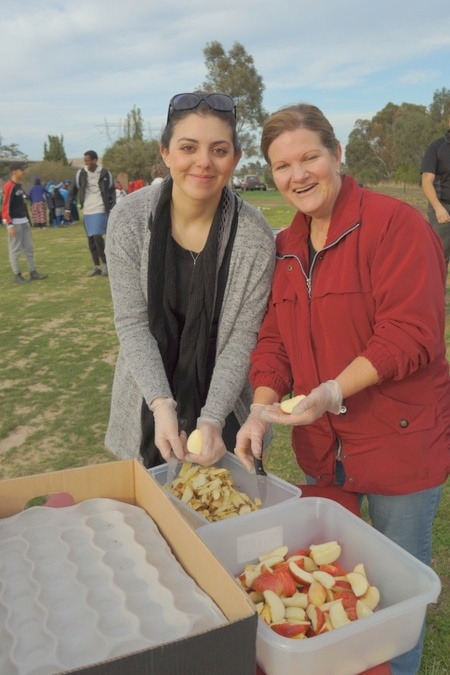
95	272
18	278
36	276
104	270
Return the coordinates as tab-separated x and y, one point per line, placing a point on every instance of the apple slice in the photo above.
358	583
288	581
248	576
362	610
296	600
335	569
316	616
338	615
288	405
290	630
256	597
307	563
360	569
280	551
270	561
300	575
325	579
265	614
342	584
295	613
371	597
268	582
277	609
317	594
324	554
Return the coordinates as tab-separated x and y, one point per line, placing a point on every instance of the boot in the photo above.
104	270
36	276
18	278
95	272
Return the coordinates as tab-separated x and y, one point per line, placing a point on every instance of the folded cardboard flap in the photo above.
114	480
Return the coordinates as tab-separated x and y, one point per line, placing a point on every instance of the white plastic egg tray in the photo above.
89	582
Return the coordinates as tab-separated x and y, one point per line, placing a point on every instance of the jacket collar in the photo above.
345	217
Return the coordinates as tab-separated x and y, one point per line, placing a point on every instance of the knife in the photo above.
172	464
261	478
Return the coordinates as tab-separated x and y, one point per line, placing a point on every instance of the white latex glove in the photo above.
213	446
249	440
327	397
167	437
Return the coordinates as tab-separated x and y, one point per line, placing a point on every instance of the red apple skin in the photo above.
348	599
289	630
301	551
351	613
268	582
342	585
316	616
289	585
335	569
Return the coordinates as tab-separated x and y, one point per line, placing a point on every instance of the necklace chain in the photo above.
194	256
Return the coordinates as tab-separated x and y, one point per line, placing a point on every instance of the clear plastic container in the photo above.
278	490
406	586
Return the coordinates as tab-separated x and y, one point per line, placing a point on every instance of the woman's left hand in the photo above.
327	397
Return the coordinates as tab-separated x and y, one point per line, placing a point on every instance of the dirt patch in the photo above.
15	439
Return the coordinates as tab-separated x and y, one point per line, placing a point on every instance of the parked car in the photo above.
236	182
252	182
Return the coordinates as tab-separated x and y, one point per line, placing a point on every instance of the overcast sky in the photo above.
77	68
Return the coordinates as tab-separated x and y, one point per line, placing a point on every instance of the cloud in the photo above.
68	67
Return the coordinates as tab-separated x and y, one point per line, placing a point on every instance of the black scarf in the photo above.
185	357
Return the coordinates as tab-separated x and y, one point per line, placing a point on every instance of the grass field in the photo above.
58	348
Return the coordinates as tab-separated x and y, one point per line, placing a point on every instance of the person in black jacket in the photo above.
15	217
94	186
435	171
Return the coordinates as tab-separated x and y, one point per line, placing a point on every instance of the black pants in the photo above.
97	249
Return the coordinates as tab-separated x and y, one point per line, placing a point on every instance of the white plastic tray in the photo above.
85	583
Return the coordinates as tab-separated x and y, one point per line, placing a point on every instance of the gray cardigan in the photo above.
139	370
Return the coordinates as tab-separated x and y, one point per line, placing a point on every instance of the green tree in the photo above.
361	159
390	145
54	151
133	129
135	157
55	171
413	124
8	152
234	73
440	111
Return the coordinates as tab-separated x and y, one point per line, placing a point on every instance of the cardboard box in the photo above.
406	586
226	650
278	490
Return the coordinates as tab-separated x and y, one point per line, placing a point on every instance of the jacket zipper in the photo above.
308	277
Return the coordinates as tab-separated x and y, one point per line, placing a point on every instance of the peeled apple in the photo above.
195	443
289	404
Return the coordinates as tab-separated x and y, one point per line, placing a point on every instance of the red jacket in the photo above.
376	290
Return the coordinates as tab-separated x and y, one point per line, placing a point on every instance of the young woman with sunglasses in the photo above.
190	267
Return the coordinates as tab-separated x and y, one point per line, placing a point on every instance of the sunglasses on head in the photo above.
217	102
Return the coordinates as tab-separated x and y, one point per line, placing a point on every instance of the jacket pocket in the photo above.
404	418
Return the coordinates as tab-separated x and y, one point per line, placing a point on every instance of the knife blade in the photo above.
261	478
172	464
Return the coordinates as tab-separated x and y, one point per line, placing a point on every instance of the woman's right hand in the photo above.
249	439
167	437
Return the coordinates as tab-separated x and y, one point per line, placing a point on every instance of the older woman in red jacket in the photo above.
356	323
